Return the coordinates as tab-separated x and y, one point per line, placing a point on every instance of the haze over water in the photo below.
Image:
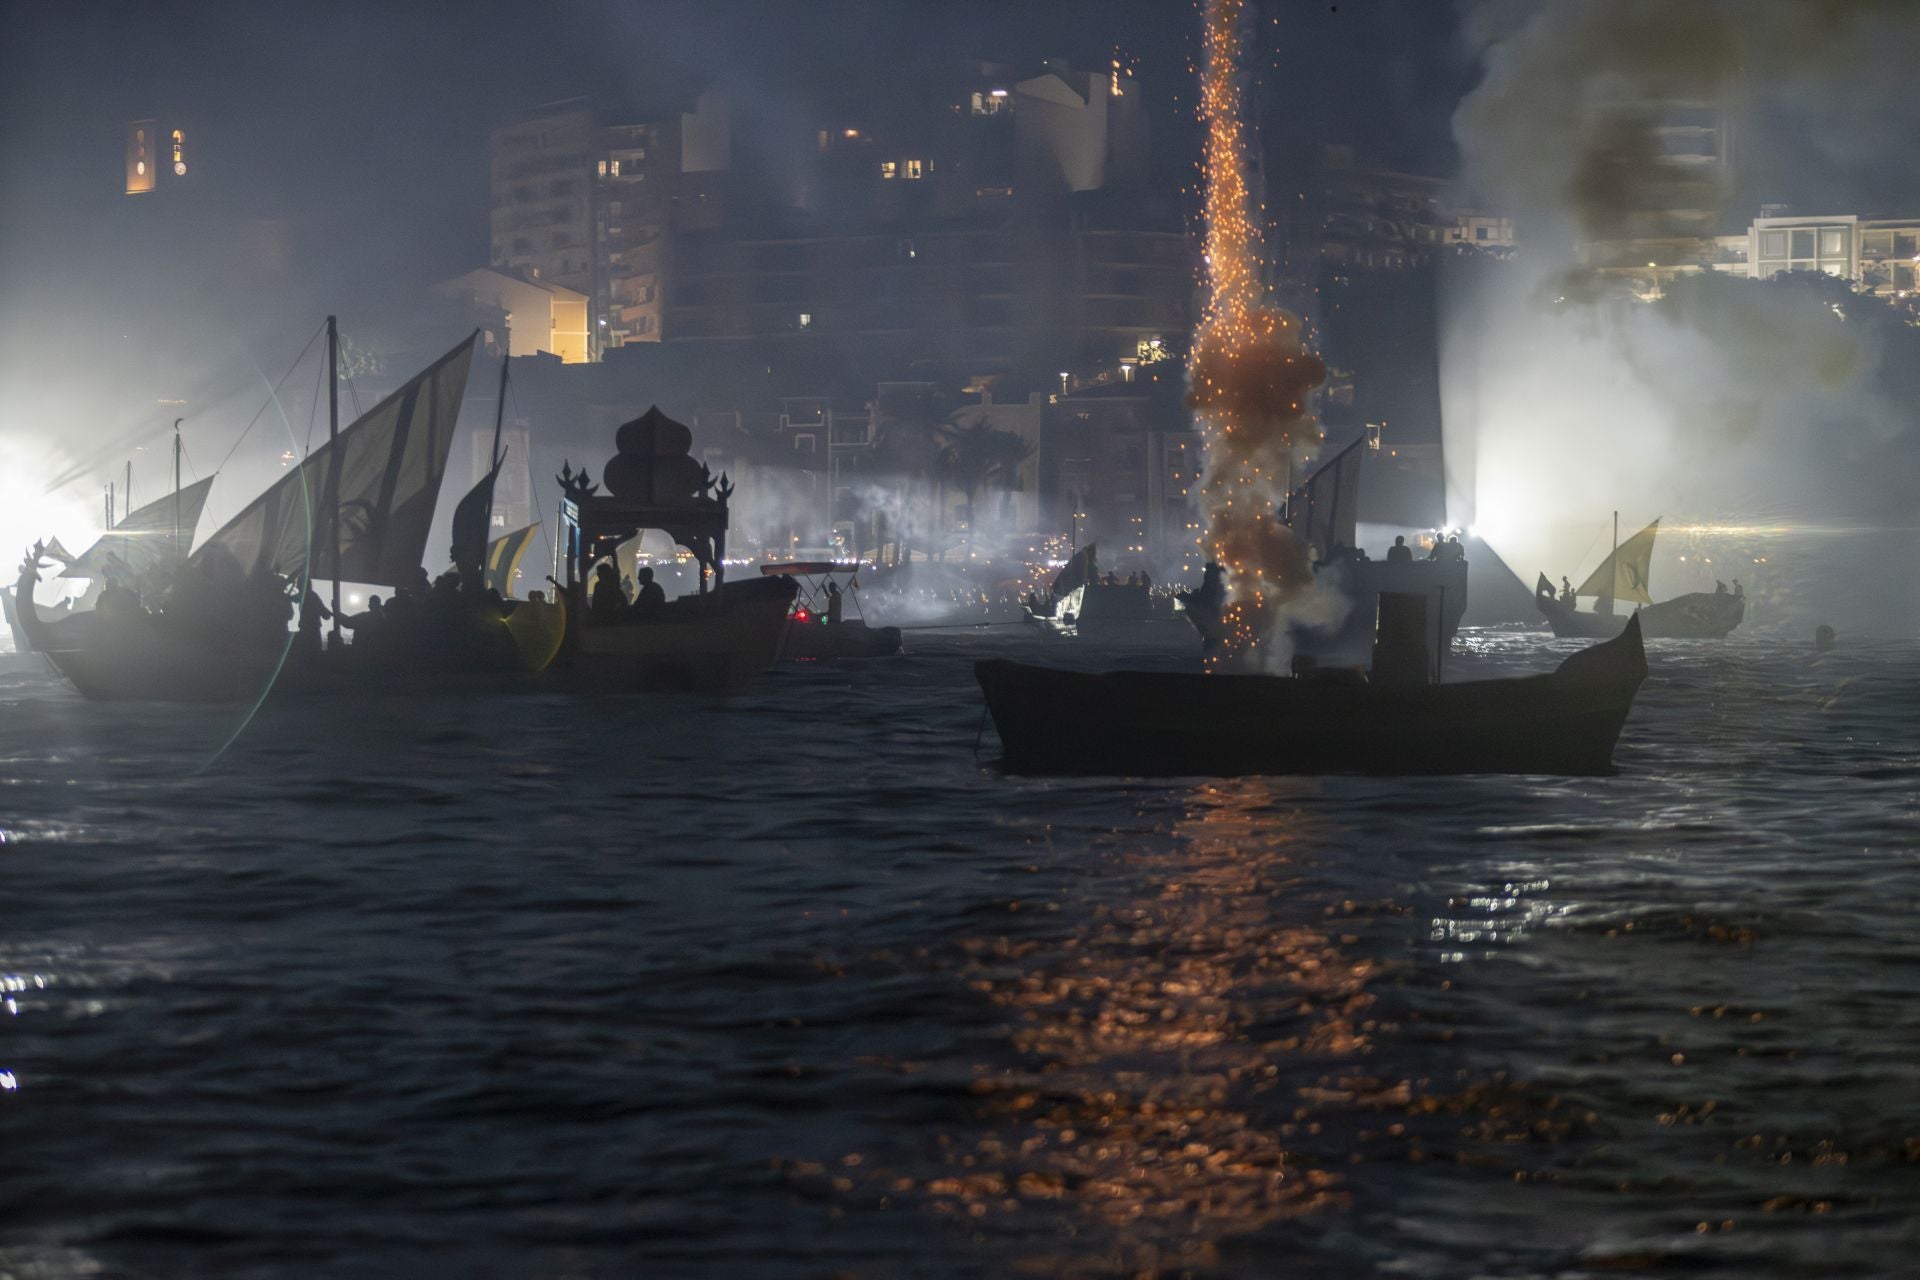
799	984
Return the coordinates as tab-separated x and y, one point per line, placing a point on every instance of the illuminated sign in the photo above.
142	154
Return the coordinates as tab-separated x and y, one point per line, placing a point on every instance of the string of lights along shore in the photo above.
1250	373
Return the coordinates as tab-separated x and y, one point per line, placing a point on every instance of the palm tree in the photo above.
976	454
907	448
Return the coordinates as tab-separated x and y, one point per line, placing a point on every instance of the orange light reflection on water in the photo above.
1141	1049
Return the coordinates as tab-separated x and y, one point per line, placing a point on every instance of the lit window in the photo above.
914	169
613	167
888	169
806	318
603	168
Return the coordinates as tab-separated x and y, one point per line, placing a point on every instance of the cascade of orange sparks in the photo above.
1250	373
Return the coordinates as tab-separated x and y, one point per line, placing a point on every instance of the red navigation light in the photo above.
802	615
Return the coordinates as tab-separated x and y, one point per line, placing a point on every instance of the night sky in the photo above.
374	116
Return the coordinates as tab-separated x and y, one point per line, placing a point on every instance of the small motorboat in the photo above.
815	626
1145	723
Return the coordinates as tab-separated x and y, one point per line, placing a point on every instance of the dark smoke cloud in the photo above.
1560	124
1756	412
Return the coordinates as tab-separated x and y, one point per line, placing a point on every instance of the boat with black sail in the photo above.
1323	512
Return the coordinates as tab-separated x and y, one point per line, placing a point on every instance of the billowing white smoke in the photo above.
1749	408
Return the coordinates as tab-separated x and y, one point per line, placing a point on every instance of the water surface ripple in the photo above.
797	984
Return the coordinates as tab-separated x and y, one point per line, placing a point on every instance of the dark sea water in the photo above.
797	984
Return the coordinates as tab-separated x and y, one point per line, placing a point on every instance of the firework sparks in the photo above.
1250	374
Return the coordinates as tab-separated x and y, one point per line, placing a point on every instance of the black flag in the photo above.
470	525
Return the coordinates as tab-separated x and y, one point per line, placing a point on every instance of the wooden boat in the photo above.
815	629
357	509
713	642
1140	723
1624	575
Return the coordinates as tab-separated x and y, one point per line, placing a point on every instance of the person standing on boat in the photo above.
833	604
1566	590
1400	552
312	613
1719	587
1739	592
651	597
367	626
607	601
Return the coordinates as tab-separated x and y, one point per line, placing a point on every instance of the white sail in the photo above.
145	539
385	471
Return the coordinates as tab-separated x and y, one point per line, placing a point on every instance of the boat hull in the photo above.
714	643
1698	616
107	666
810	642
1177	724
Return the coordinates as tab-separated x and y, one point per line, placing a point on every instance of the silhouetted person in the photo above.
1566	591
366	626
312	613
1454	551
607	601
651	597
118	603
1739	592
626	587
1719	587
1146	580
1400	552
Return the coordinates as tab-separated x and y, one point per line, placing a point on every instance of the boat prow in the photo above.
1139	723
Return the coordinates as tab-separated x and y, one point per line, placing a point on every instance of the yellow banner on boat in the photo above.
1623	575
503	558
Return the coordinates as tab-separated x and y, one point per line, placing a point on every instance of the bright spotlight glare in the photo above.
27	515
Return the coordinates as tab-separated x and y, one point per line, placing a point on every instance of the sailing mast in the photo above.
493	458
1613	571
333	467
176	485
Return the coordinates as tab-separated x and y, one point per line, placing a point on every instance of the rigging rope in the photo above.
313	412
533	487
272	394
